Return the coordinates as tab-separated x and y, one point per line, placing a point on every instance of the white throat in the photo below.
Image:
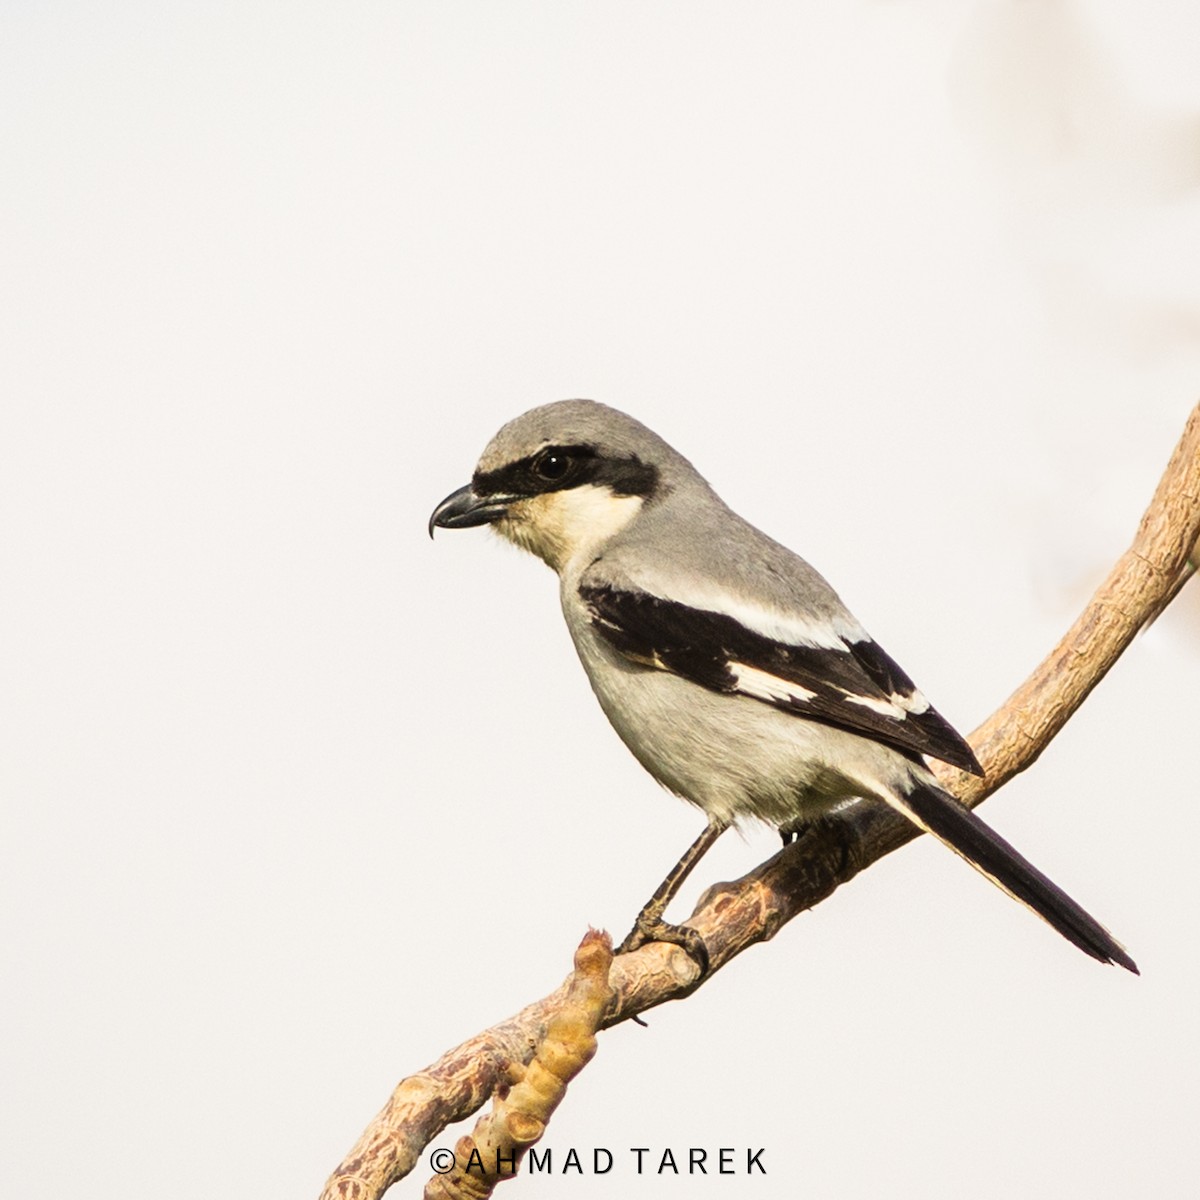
561	527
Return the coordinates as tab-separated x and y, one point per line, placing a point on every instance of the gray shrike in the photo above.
726	664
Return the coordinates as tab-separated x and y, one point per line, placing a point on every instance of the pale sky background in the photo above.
295	800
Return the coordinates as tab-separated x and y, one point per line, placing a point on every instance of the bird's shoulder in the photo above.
697	551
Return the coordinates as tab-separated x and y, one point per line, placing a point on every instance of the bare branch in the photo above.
1013	737
518	1118
734	916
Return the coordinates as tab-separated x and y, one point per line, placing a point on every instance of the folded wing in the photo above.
851	684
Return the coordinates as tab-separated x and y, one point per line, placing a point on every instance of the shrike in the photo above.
726	664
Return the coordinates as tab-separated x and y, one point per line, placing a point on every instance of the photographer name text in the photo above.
599	1160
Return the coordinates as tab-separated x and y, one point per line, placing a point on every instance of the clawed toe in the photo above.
657	930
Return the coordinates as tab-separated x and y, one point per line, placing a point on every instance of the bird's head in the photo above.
562	480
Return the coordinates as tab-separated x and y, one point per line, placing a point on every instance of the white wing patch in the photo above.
789	628
762	685
885	708
897	706
915	702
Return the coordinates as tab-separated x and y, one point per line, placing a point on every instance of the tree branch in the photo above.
519	1114
734	916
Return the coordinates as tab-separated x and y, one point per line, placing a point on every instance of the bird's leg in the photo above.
650	926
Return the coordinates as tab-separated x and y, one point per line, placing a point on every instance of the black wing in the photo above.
853	685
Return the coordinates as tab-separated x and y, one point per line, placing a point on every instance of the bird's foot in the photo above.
840	832
650	927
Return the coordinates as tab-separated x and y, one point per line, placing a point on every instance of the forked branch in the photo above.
733	916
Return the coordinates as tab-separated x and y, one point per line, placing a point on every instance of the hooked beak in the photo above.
462	509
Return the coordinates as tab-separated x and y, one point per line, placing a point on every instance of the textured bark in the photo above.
493	1151
734	916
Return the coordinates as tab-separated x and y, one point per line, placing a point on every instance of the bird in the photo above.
725	662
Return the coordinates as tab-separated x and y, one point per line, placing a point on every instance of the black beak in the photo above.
462	509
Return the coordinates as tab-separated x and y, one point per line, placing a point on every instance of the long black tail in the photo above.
959	828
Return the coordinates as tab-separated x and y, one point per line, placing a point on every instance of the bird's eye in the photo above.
551	465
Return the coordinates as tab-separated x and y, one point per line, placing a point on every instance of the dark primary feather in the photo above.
701	646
